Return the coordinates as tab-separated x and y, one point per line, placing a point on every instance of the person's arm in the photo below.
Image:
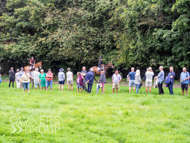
91	78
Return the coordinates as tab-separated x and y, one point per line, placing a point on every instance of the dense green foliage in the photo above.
112	118
76	32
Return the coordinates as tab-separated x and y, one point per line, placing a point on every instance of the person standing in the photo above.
69	79
32	78
49	79
89	79
171	74
132	79
18	78
26	80
42	78
137	80
160	78
21	73
61	78
11	77
32	63
83	73
148	81
184	80
36	78
79	82
116	78
102	80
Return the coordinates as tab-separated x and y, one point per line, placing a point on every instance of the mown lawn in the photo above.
90	118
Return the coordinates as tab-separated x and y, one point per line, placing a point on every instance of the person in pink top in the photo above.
49	79
79	82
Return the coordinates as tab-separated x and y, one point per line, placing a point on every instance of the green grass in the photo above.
90	118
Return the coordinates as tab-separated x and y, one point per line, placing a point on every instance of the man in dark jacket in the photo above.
172	77
11	77
89	79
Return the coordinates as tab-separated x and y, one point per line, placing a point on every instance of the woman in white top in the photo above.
26	80
36	78
18	76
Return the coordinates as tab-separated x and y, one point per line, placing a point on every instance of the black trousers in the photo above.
12	83
161	91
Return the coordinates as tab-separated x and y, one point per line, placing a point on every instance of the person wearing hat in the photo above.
32	63
116	78
137	80
49	79
61	78
100	63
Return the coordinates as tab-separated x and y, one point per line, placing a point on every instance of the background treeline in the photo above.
74	33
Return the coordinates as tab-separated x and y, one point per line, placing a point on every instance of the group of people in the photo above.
44	80
135	80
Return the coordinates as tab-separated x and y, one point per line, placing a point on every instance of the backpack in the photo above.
167	80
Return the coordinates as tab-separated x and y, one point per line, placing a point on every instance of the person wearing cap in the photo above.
36	78
116	78
148	82
69	79
32	63
61	78
49	79
42	78
137	80
131	75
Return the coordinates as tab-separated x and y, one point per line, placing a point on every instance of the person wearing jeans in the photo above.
89	79
172	77
132	79
160	80
137	80
49	79
83	73
26	80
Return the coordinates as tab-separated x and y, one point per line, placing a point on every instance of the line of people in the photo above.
45	80
134	79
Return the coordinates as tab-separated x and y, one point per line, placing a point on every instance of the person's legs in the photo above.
162	91
81	89
182	88
146	89
130	84
9	83
68	87
150	89
13	83
186	88
28	84
89	88
170	87
62	86
51	84
137	88
24	86
159	87
113	90
117	90
59	86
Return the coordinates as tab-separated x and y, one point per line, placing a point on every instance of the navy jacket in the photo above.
90	77
172	74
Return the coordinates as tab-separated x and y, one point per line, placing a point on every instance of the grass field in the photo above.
63	116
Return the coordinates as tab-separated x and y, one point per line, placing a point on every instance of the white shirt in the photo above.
69	75
36	77
149	76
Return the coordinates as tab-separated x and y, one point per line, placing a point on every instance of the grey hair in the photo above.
41	70
83	67
68	69
161	67
150	68
132	68
91	69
